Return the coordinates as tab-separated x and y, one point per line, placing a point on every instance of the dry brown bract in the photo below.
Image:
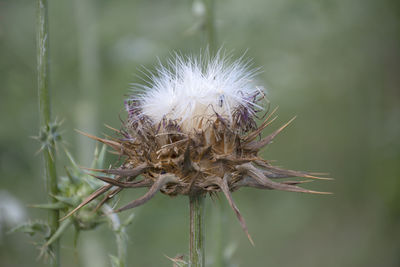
219	157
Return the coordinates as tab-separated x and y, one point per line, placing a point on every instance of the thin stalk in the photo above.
197	256
119	231
43	68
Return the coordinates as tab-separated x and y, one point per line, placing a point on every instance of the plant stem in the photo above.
210	26
42	35
197	256
119	232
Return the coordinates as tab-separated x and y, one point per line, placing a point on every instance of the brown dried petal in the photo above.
257	145
223	184
160	182
256	174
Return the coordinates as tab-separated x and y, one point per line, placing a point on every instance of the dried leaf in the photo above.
94	195
118	183
160	182
122	172
260	178
258	131
115	145
223	184
257	145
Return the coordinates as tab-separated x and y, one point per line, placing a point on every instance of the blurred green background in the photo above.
333	63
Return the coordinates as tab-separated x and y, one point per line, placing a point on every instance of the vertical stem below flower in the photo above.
197	256
42	35
119	232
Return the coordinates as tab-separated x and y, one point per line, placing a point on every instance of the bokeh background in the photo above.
334	64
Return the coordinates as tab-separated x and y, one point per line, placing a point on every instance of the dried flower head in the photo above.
192	130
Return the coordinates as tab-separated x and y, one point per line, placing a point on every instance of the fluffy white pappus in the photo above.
193	91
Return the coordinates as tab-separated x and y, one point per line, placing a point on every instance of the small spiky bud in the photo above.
192	130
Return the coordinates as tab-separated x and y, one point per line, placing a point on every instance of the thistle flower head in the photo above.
192	130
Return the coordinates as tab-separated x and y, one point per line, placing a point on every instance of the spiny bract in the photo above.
192	130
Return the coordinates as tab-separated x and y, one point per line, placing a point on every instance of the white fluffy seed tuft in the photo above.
193	91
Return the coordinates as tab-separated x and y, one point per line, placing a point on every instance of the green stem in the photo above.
60	230
210	26
197	256
119	231
42	36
